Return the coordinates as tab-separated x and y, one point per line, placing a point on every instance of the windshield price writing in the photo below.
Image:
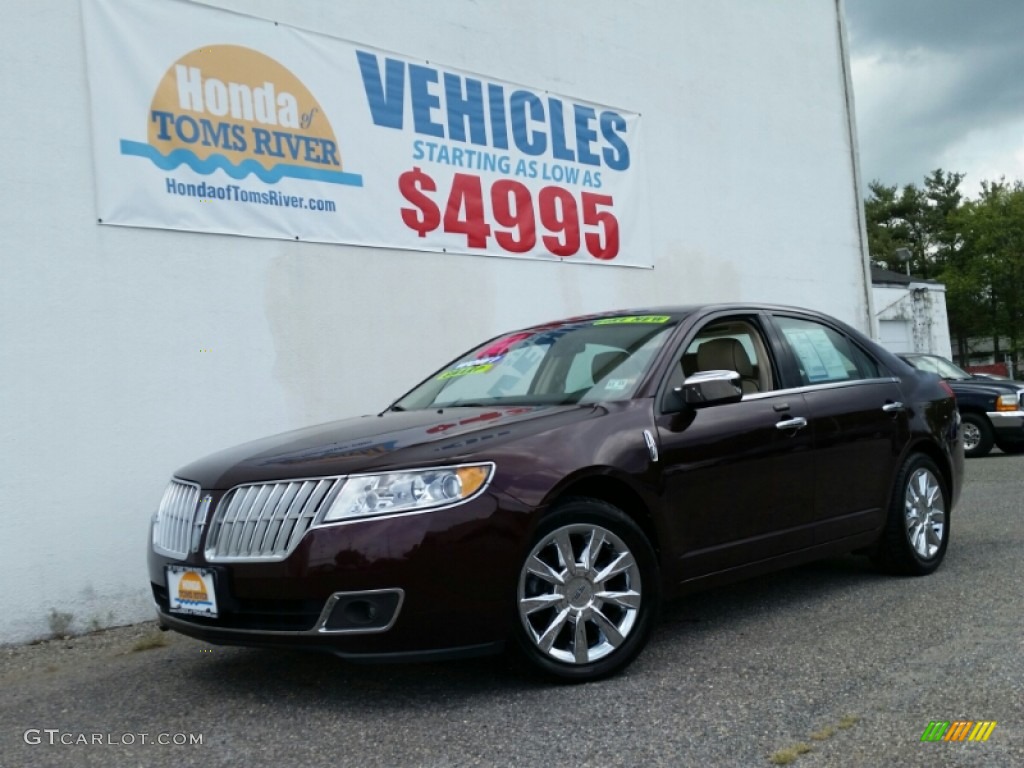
564	221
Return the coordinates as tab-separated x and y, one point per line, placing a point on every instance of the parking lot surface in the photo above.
834	656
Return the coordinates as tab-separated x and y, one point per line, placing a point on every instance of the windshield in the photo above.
581	361
939	365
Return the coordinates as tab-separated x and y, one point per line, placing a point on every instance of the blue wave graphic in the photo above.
247	167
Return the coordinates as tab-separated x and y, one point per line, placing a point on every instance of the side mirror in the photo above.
706	388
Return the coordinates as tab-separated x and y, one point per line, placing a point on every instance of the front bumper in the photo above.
1007	425
431	583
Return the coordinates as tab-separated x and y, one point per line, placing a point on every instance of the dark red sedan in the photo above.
550	487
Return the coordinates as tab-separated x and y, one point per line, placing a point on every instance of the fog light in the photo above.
360	611
371	611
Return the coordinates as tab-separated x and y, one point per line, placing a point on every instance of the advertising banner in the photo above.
210	121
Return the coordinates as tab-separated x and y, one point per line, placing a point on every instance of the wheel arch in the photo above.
936	454
615	491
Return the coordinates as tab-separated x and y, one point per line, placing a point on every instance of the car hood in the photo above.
391	440
987	386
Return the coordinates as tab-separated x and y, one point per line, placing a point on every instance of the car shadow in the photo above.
305	677
813	581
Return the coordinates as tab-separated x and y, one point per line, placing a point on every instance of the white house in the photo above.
911	313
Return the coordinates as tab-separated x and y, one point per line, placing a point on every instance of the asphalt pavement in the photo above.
835	657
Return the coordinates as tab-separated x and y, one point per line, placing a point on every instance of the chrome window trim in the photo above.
804	388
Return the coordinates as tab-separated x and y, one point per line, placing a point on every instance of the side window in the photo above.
823	354
731	344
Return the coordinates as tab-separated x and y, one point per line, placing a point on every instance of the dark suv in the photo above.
992	409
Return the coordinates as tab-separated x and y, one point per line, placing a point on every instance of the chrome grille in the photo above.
172	529
265	521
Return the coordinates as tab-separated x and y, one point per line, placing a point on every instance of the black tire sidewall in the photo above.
596	512
901	555
985	435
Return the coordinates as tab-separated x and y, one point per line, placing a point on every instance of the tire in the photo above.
1011	448
977	433
917	526
587	620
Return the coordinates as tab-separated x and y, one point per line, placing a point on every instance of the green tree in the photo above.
975	247
941	234
890	215
919	219
993	230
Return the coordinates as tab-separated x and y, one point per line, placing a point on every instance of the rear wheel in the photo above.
917	528
588	592
977	433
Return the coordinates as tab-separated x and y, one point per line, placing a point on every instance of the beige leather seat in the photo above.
728	355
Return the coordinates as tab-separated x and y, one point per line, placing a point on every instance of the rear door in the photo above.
858	419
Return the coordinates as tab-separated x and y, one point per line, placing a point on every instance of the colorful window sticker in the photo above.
471	366
478	361
629	319
502	346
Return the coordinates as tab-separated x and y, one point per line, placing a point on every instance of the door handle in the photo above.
797	422
896	407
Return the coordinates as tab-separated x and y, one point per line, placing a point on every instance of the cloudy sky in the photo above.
938	84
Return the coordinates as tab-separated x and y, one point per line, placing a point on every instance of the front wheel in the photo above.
917	528
588	592
978	438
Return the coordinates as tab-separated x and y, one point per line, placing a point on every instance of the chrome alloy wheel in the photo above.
579	593
925	513
972	435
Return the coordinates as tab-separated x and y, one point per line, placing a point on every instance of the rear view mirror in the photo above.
706	388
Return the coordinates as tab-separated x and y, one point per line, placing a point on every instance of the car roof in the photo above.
678	312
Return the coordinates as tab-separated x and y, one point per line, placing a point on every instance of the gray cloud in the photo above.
929	76
939	24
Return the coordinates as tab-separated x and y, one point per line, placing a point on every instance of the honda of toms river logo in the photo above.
236	109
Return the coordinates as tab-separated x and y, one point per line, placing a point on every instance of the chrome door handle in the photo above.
797	422
896	407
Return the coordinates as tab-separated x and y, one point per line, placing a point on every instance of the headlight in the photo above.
391	492
1007	403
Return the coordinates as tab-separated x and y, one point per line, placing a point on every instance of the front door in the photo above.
738	478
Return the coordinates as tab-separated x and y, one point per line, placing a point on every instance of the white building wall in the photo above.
913	318
129	352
